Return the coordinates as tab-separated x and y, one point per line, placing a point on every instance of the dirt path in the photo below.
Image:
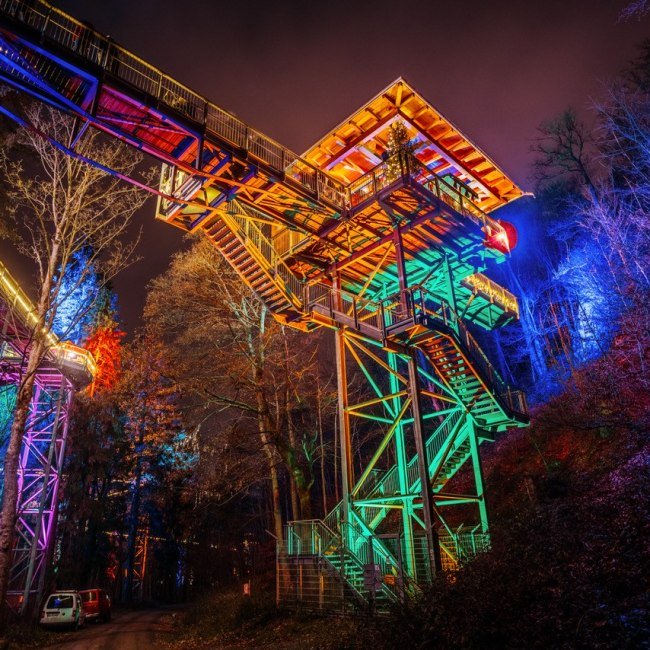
129	630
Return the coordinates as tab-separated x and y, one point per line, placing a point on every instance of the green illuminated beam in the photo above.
382	447
368	376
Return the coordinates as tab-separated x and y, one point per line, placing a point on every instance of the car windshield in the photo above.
88	596
60	602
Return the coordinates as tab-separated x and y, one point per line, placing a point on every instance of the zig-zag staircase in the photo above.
461	366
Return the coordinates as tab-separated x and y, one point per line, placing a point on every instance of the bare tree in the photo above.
565	150
636	9
240	365
60	206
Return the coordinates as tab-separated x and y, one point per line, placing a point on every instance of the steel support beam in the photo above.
433	548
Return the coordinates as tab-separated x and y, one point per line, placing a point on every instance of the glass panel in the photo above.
60	602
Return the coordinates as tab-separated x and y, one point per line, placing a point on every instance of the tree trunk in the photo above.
275	483
293	484
127	593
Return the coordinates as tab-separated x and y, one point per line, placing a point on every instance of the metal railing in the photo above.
405	165
465	543
65	354
388	484
81	40
250	233
346	307
386	317
349	550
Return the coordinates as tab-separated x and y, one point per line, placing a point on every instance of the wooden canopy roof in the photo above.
355	146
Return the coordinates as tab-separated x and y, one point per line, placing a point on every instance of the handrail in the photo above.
63	352
17	299
387	315
384	175
251	232
419	301
102	51
388	564
466	544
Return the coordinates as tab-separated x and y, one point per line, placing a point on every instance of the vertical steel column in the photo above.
347	480
40	528
401	460
478	476
39	475
400	446
60	460
428	513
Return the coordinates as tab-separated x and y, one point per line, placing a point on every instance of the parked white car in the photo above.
63	608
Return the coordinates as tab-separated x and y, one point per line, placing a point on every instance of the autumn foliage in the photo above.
105	344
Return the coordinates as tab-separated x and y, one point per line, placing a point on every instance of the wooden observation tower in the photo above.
382	232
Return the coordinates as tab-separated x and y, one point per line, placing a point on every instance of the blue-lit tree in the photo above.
581	266
78	298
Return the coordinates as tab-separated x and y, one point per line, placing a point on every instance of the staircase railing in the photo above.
250	232
351	545
388	484
415	302
370	550
465	543
387	316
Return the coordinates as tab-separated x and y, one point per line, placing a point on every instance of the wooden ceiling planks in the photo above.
348	143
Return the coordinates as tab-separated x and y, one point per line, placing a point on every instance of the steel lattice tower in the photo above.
64	369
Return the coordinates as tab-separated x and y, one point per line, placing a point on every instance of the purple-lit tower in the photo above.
65	369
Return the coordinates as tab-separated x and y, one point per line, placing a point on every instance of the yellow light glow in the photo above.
17	300
494	292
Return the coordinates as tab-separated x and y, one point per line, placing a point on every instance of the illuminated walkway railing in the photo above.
65	355
388	317
403	165
72	35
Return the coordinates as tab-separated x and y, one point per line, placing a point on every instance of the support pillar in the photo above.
39	530
478	477
347	480
428	514
39	476
401	460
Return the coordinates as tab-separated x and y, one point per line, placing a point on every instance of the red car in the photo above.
96	604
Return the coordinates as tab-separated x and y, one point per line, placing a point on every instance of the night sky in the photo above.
495	68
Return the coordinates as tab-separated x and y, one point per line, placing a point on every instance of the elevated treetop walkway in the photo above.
389	247
19	324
